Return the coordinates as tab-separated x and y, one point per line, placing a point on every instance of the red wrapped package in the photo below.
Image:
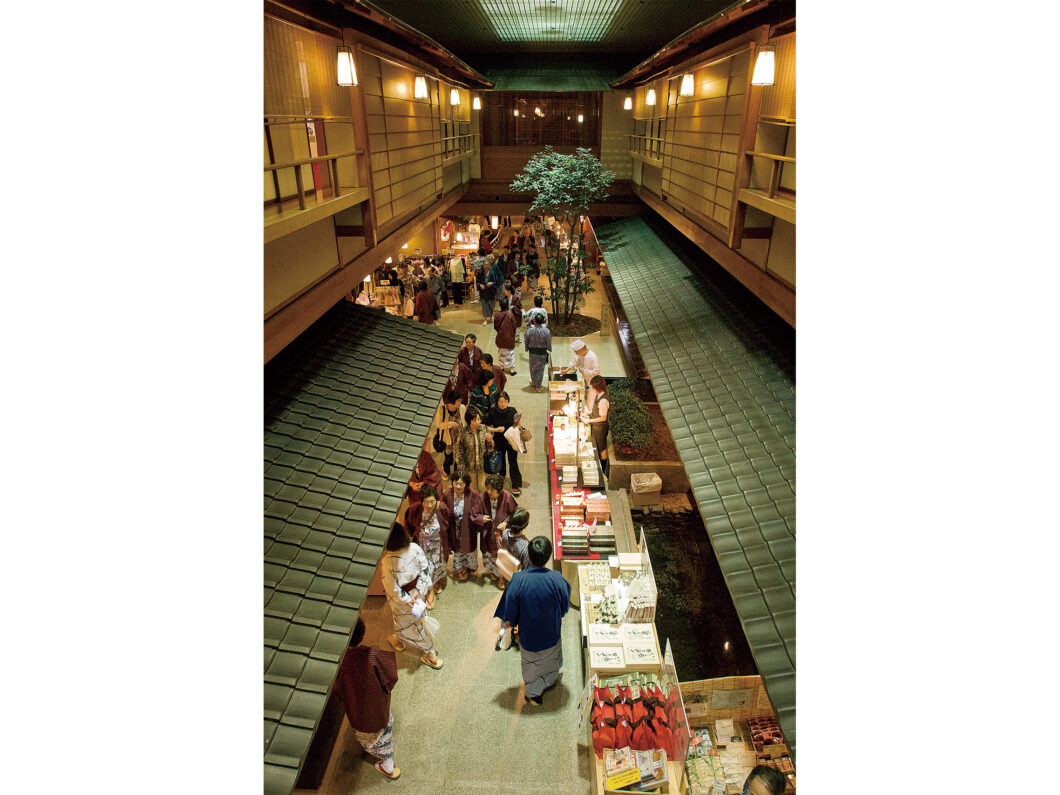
623	734
664	738
603	737
642	738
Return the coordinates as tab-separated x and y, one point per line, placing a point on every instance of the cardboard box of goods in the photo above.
604	635
607	659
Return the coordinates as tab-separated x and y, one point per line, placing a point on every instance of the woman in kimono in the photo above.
407	578
427	525
483	395
497	506
425	473
474	442
449	420
461	514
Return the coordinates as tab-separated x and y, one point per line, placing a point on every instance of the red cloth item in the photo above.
602	695
642	738
664	738
640	711
623	734
602	712
603	737
624	710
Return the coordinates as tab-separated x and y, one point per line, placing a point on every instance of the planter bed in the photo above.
668	466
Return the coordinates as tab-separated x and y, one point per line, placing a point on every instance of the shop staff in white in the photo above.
584	361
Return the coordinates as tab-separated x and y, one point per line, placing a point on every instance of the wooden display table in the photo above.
596	773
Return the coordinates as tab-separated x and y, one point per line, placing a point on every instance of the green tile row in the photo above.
723	388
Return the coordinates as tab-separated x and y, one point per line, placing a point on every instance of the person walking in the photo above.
406	580
472	445
486	363
425	304
426	524
425	473
464	524
448	421
483	396
505	324
470	353
538	344
365	681
457	277
535	602
497	506
538	309
513	540
500	418
489	283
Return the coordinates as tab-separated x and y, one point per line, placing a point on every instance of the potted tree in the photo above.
564	186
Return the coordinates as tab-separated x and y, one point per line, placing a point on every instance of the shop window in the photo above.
511	118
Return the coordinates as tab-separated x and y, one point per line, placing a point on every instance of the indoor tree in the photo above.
564	186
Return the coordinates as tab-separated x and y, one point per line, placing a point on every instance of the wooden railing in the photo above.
646	146
333	169
776	167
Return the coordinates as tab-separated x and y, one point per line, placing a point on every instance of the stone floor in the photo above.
465	728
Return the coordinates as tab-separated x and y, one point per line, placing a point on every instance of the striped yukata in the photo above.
402	567
379	744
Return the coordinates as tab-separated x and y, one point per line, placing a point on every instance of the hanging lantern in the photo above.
764	66
454	97
650	100
688	85
347	72
495	221
515	112
421	87
476	104
581	118
629	104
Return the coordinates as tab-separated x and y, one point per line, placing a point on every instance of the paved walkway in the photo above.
465	728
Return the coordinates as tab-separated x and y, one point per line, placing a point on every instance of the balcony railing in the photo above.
646	146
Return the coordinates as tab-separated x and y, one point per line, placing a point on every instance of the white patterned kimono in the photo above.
400	568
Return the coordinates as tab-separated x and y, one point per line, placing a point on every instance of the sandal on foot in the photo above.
392	776
436	664
516	492
397	644
430	600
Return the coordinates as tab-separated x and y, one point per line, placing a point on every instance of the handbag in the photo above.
524	434
491	462
439	442
507	563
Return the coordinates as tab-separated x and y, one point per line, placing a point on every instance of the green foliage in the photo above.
621	385
631	423
564	186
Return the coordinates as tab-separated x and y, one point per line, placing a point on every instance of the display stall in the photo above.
588	522
733	729
636	725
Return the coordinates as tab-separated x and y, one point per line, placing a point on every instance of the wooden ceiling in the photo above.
635	28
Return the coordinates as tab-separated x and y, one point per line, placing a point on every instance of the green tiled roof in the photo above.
347	408
724	387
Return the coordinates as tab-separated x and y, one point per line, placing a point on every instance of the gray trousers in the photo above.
538	362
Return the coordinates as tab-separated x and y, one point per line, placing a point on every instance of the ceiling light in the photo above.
763	74
476	104
629	104
651	97
420	91
454	97
405	246
388	260
368	279
574	20
688	85
347	72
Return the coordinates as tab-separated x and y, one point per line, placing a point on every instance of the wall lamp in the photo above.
476	104
650	100
420	91
347	72
454	97
764	66
629	104
688	86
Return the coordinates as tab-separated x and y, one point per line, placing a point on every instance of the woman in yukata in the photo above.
426	522
407	578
